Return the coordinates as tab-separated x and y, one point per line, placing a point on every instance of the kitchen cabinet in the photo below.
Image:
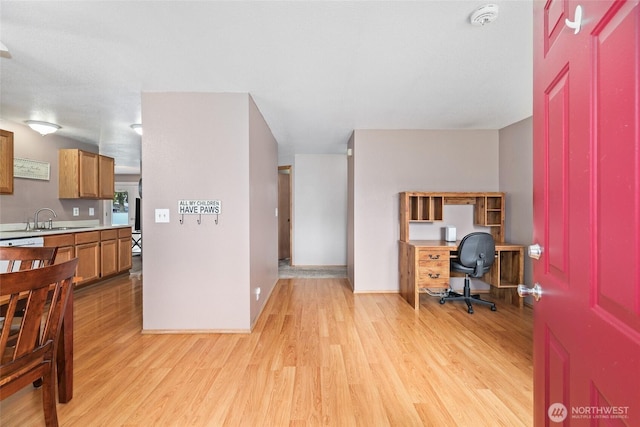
106	168
66	246
124	249
115	251
6	162
101	253
88	254
108	252
85	175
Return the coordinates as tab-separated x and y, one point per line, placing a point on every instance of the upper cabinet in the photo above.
85	175
6	162
106	167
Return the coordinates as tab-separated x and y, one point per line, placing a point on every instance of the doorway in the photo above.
284	215
124	210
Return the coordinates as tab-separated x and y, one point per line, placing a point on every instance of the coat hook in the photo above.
199	219
577	20
181	218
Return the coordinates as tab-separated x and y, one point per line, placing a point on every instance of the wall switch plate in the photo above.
76	211
92	211
162	215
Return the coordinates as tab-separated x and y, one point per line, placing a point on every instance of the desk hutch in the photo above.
424	264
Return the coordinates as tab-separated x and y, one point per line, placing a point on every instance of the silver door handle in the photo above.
535	292
535	251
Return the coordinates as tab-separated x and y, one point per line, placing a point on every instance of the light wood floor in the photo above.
319	355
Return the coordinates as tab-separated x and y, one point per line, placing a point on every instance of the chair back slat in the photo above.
47	291
26	258
29	334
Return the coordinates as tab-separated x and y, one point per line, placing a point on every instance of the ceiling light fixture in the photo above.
137	127
484	15
43	128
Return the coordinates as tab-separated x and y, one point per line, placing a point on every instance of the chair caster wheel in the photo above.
442	301
470	311
493	308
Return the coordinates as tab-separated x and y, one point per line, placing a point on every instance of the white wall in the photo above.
197	277
320	209
263	196
386	162
516	179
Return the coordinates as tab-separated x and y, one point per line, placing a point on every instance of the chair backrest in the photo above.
477	250
46	292
26	258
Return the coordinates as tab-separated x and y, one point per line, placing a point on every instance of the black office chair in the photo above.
476	254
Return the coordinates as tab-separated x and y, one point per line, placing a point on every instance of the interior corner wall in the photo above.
196	276
516	180
350	213
263	199
387	162
320	209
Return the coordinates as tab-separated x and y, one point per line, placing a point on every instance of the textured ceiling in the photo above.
316	69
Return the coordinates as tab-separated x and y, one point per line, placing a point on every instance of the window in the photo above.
120	208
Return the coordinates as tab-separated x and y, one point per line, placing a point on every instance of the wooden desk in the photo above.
424	264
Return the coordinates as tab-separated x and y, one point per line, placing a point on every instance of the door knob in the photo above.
535	292
534	251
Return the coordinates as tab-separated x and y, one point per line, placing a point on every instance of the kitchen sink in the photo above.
58	228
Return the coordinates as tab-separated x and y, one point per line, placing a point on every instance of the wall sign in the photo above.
30	169
199	207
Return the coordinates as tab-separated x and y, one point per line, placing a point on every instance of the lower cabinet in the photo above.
108	252
66	246
88	254
124	249
100	254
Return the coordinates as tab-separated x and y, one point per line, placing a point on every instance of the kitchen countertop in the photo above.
64	228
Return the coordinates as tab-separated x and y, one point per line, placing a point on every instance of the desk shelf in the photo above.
416	206
489	211
420	208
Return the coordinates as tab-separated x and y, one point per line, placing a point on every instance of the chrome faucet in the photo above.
35	217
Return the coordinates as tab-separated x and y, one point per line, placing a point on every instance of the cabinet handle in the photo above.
434	276
431	256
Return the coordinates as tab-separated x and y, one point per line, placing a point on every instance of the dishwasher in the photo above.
37	241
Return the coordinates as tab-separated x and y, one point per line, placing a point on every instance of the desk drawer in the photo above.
433	283
434	273
433	255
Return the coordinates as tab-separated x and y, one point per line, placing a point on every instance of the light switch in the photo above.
162	215
92	211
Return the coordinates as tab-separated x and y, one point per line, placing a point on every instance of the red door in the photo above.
587	213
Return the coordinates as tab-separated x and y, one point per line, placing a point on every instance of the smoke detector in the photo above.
484	14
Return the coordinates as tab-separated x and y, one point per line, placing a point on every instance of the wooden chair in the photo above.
20	258
30	355
25	258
